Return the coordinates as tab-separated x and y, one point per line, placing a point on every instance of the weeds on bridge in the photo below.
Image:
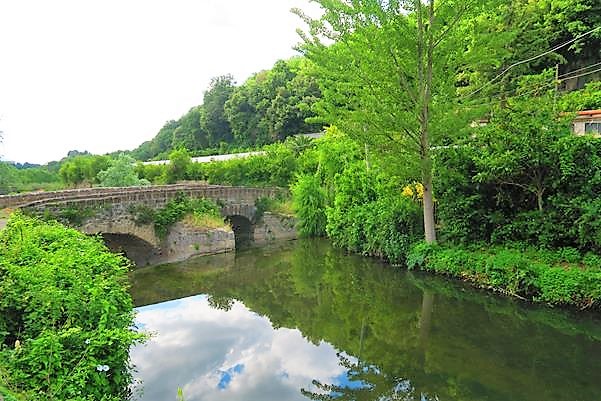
280	205
200	212
71	215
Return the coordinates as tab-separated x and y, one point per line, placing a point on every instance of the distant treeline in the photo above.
269	107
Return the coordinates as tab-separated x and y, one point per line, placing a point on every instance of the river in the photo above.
305	321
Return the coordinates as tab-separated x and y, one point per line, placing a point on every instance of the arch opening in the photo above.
243	230
140	252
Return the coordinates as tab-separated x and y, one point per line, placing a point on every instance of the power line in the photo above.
538	86
532	89
581	75
529	89
532	59
580	69
535	88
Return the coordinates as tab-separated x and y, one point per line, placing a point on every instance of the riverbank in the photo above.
555	277
66	318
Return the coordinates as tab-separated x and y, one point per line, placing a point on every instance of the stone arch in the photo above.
137	250
123	226
243	229
248	211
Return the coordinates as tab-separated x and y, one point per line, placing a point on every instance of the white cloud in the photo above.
197	345
106	75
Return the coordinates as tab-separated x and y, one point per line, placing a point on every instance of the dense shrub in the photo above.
559	277
121	173
276	168
370	215
475	202
66	317
309	205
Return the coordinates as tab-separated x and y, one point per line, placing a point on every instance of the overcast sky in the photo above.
106	75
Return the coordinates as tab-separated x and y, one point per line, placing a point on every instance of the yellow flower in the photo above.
419	188
407	191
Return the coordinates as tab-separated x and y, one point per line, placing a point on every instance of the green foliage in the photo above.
589	226
370	216
212	115
309	204
70	215
154	173
270	106
360	210
9	179
276	168
281	205
524	177
83	169
560	277
121	173
53	345
143	214
177	168
178	208
588	98
13	179
162	143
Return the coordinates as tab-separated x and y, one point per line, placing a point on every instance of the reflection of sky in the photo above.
216	355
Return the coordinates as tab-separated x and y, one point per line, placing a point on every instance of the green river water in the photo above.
305	321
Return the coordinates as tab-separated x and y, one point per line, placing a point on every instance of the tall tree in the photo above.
245	111
273	105
212	117
189	134
390	76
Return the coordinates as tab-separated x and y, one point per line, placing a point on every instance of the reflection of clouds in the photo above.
218	355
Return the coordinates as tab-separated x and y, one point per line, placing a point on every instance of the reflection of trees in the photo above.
368	383
221	302
413	334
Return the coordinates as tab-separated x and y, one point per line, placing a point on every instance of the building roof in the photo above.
589	112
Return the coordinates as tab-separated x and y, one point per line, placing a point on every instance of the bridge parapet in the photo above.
156	195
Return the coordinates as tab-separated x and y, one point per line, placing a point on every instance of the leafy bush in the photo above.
589	226
492	198
121	173
66	317
309	205
559	277
276	168
370	216
179	162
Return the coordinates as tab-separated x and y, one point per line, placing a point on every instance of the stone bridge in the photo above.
112	212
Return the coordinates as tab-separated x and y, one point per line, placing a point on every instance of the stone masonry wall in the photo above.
159	194
274	227
185	242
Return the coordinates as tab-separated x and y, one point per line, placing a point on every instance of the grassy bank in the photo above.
555	277
66	317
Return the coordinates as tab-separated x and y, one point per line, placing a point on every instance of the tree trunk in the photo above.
426	39
539	199
425	323
429	224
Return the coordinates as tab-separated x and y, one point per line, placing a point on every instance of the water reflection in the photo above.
401	336
214	354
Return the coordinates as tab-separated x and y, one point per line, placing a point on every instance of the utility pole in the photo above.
556	87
